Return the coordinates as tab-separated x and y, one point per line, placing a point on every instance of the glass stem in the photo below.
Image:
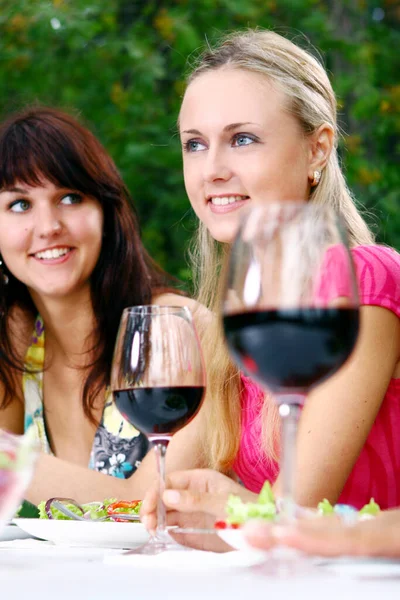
160	448
289	410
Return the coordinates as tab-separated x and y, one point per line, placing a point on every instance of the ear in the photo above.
321	144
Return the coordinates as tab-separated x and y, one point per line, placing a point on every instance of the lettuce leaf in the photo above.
372	508
95	510
239	512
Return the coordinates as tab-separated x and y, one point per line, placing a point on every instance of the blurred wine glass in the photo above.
18	454
290	312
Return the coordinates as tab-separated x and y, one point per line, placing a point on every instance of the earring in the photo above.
316	178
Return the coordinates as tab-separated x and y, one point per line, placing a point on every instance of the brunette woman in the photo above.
71	261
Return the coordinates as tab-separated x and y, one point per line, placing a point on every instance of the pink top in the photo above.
376	473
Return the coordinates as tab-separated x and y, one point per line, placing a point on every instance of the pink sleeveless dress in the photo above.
376	474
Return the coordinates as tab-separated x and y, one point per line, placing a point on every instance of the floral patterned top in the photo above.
118	448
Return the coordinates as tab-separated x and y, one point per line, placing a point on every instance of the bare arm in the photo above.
55	477
339	414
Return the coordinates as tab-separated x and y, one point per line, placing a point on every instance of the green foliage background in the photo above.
121	64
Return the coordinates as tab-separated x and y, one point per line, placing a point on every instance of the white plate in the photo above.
78	533
235	538
12	532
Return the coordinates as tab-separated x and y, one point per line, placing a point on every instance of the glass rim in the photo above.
157	309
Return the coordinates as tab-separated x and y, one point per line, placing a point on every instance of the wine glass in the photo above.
290	312
18	454
158	382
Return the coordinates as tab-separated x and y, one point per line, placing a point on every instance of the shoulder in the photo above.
201	315
378	275
172	299
377	256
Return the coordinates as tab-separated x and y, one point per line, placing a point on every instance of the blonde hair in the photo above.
312	101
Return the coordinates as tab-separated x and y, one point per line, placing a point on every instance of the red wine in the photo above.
292	350
159	410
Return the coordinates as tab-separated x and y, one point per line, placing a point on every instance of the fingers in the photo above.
330	538
201	541
183	480
260	534
192	501
149	503
324	537
148	510
327	542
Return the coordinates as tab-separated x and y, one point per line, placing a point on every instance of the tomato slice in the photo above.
111	509
225	525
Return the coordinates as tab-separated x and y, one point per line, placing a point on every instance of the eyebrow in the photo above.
227	128
14	189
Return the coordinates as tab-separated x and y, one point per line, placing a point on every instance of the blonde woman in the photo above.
258	124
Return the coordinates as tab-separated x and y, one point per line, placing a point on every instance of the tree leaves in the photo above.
120	65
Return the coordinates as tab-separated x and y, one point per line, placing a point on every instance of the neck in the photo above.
69	324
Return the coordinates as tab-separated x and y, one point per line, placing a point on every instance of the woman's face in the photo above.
240	146
50	238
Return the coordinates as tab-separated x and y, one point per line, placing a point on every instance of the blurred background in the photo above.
120	65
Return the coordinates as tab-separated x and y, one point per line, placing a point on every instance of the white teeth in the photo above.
55	253
223	200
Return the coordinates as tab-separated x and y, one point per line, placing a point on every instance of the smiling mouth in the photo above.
224	200
52	254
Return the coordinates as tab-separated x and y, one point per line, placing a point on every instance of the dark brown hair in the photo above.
45	143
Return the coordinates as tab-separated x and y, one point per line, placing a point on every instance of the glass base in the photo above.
161	542
287	563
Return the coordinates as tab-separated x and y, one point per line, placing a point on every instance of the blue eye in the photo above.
242	139
20	206
71	199
193	146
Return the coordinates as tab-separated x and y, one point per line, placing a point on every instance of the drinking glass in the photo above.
18	455
158	382
290	312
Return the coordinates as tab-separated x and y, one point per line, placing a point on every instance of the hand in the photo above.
194	498
329	537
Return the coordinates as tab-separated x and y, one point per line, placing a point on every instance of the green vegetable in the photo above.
265	508
95	511
325	507
27	511
372	508
238	511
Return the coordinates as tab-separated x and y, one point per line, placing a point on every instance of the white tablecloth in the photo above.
34	570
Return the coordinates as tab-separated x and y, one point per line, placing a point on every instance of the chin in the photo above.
225	236
57	292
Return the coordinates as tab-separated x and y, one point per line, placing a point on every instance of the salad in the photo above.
110	508
238	512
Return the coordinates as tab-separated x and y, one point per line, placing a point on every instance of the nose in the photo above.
48	223
216	166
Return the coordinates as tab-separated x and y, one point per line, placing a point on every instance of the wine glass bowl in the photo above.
291	308
157	377
18	455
